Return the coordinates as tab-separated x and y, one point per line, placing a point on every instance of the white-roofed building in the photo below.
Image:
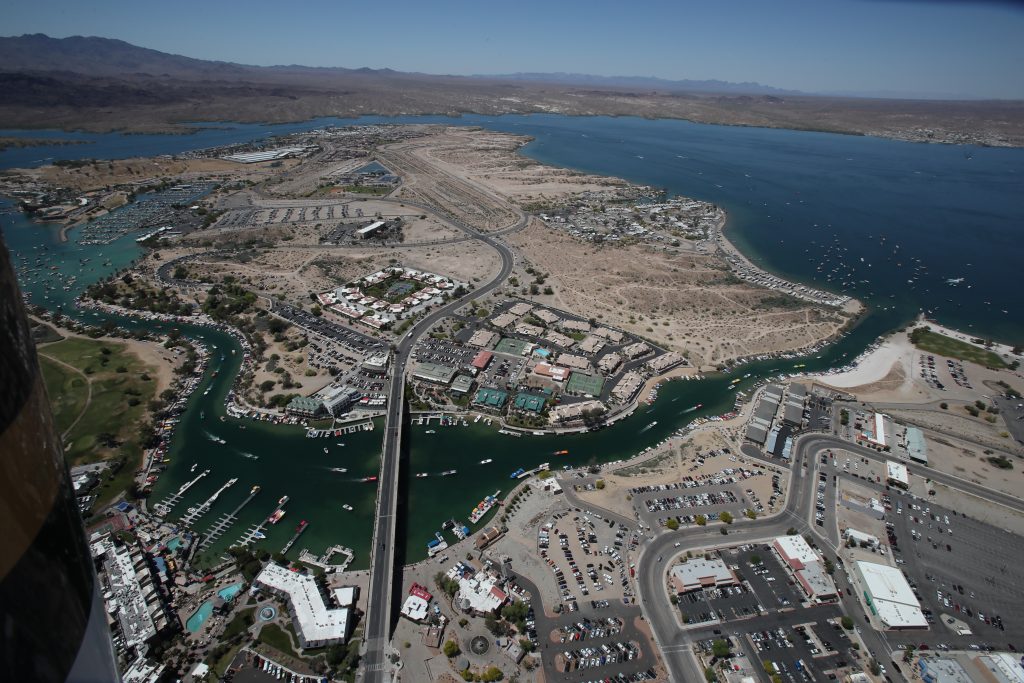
861	538
897	475
701	573
794	551
479	594
316	623
890	597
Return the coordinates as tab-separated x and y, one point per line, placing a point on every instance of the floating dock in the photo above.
255	532
195	513
164	507
218	528
298	532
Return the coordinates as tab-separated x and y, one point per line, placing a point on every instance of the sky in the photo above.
944	48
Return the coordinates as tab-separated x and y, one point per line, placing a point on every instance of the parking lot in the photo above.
960	568
798	645
585	553
350	339
731	489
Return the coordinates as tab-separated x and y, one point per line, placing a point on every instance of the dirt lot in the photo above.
691	303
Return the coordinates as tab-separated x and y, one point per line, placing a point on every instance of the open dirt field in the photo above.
489	159
691	304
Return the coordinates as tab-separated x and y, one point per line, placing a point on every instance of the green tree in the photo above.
672	523
700	520
451	649
721	648
725	517
847	622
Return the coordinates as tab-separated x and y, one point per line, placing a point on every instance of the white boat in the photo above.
326	451
347	507
339	469
486	462
430	431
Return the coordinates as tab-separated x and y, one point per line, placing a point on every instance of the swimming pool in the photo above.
199	617
195	622
230	592
173	544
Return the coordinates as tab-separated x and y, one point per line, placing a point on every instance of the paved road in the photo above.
675	643
382	562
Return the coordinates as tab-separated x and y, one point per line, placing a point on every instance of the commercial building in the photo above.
491	398
807	568
462	384
861	538
130	592
479	594
869	506
553	372
363	233
529	403
889	596
487	537
971	667
417	605
574	411
482	360
316	623
794	551
627	386
434	372
305	406
701	573
873	431
484	339
917	447
340	399
896	474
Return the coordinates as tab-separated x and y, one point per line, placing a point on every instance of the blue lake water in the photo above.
893	221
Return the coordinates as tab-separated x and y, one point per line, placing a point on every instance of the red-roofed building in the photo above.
482	360
420	592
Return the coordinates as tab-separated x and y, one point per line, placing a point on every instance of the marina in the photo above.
198	511
218	528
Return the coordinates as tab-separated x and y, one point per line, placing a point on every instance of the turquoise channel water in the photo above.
891	223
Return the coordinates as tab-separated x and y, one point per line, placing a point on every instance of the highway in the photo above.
382	561
675	643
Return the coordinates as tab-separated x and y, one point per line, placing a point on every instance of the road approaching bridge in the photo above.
382	554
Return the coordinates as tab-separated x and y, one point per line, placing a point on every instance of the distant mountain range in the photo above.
106	84
107	57
646	82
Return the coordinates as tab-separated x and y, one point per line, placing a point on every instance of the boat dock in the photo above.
164	507
218	528
323	560
364	426
535	470
195	513
291	542
255	532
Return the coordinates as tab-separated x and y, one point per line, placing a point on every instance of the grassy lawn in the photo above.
240	624
275	637
67	390
116	378
940	344
221	664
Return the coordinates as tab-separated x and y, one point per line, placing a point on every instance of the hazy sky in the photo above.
902	47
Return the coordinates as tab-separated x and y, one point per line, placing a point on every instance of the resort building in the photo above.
316	623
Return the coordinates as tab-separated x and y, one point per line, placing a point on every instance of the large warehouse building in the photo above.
890	597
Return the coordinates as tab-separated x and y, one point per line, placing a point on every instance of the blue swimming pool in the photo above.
195	622
230	592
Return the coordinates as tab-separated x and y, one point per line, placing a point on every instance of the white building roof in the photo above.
482	592
415	608
897	472
316	621
891	595
794	549
861	537
699	571
345	596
